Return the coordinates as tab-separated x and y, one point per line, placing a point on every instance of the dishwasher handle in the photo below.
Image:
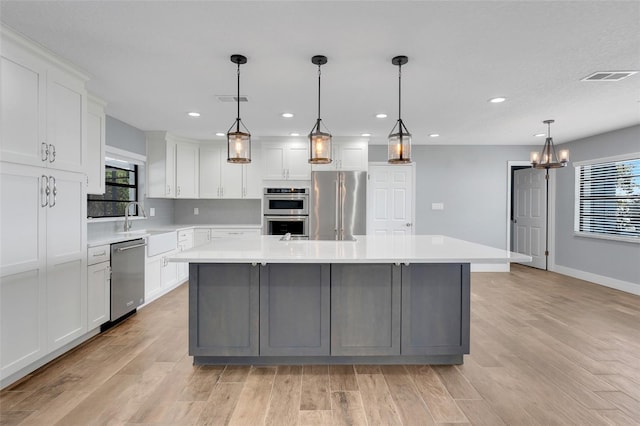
119	249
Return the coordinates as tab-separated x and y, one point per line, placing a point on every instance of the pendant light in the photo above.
319	141
238	141
547	158
400	138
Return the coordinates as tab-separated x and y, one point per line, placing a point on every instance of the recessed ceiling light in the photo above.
287	114
381	115
366	135
294	134
219	134
497	100
539	135
194	114
434	135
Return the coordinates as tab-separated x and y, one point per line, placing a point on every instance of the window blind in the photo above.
609	198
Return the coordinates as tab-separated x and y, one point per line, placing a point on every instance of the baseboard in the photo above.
490	267
625	286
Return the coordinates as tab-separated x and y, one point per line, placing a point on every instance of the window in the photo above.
608	198
121	187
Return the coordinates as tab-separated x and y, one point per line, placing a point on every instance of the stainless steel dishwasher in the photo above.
127	277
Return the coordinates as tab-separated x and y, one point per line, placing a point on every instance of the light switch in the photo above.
437	206
152	211
196	211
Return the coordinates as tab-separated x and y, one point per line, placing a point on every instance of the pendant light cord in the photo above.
238	99
400	94
319	74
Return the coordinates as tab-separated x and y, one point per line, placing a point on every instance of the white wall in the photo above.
471	182
612	263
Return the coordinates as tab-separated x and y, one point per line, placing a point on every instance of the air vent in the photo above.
609	75
231	98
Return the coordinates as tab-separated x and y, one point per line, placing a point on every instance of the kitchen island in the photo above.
379	299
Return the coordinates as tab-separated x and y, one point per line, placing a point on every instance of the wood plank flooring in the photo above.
545	350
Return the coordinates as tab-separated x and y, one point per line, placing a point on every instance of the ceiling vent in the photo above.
231	98
609	75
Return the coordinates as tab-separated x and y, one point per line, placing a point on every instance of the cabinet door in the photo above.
353	156
170	169
22	115
66	258
66	121
152	278
201	237
273	156
95	148
223	310
294	309
98	294
22	268
365	309
187	167
169	272
298	167
435	309
210	160
252	177
230	178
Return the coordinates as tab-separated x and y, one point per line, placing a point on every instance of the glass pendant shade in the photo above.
319	145
399	138
238	144
319	141
547	158
238	139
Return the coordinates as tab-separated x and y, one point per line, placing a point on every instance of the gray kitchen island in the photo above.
376	300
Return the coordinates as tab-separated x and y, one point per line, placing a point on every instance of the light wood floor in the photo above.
545	349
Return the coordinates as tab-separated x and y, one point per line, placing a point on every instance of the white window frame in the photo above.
576	222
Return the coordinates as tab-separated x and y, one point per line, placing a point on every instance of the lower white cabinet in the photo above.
43	263
98	286
201	236
235	233
160	275
185	242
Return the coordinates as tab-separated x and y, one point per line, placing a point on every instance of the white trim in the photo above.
609	237
551	212
622	157
626	286
122	154
490	267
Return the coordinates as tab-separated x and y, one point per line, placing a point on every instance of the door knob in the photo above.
408	225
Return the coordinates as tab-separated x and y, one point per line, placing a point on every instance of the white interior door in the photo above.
390	195
530	209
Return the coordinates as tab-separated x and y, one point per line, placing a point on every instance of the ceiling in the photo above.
154	61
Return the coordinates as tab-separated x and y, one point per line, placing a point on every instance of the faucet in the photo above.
127	223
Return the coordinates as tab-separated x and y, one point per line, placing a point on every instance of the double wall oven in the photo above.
286	210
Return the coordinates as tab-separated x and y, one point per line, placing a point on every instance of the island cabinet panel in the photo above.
365	309
294	309
223	309
435	309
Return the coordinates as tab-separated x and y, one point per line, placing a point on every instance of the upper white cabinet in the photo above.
187	167
172	166
220	179
43	108
347	155
96	121
286	161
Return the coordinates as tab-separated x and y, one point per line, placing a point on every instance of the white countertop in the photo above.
366	249
143	233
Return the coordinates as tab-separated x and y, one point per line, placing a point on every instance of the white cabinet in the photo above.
160	275
185	242
347	155
43	108
43	262
187	166
220	179
98	286
96	121
172	166
235	233
286	161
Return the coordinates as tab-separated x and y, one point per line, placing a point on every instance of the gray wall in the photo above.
121	135
614	259
218	212
471	182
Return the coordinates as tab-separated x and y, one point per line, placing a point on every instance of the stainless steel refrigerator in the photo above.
337	205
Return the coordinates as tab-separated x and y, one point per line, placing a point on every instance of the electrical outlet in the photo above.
196	211
152	211
437	206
